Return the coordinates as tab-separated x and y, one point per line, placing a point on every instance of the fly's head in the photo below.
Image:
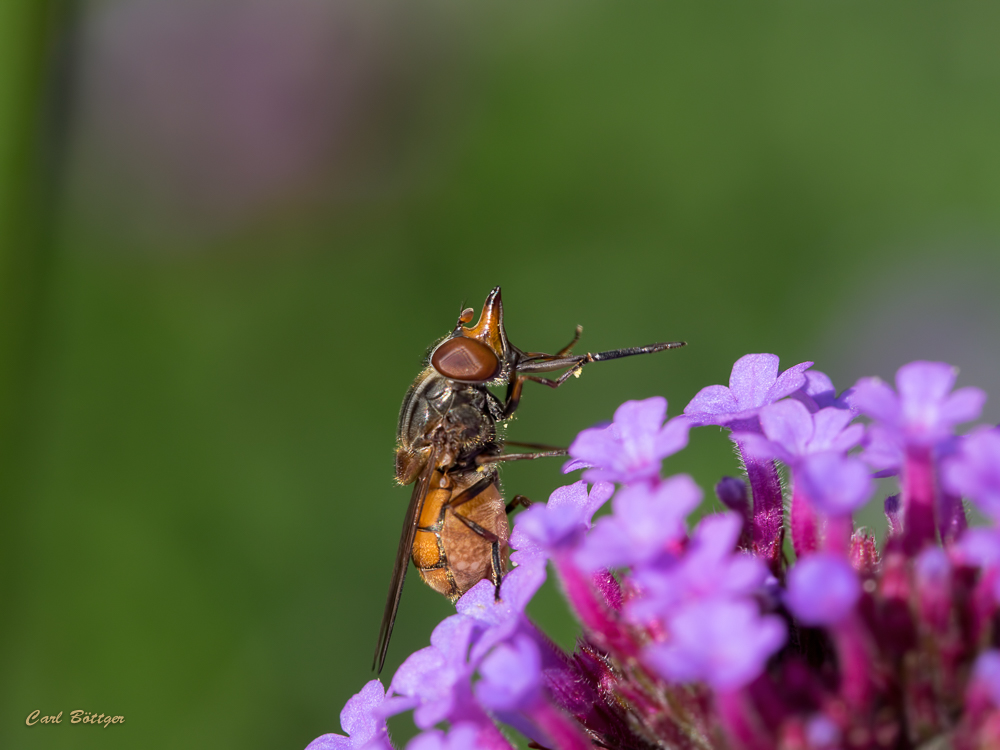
479	354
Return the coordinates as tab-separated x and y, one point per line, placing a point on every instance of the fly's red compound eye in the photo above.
465	359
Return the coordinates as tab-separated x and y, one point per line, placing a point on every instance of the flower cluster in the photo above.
754	628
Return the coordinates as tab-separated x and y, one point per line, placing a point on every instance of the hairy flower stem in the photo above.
918	499
765	486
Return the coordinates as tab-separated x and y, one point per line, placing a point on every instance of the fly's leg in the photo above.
483	458
494	541
536	446
535	363
518	500
497	567
562	352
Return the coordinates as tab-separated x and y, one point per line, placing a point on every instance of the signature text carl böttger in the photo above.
75	717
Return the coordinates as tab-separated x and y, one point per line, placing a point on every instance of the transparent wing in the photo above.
402	563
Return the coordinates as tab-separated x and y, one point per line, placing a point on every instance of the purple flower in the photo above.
721	642
511	676
438	677
559	523
501	620
646	520
924	413
836	485
974	472
632	447
359	720
792	432
822	589
754	383
819	393
709	569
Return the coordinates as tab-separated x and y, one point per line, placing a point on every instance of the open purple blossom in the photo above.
791	432
822	589
974	472
754	383
631	448
359	719
543	528
710	568
438	677
836	485
925	411
511	676
500	619
645	523
722	642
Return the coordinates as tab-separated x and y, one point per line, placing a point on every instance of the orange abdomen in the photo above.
450	556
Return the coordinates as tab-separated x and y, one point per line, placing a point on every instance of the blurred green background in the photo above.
229	229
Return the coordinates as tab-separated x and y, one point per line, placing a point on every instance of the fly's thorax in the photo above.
458	418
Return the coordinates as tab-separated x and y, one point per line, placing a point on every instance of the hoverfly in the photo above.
455	529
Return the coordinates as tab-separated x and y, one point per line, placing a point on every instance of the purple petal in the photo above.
516	590
356	718
830	430
708	569
788	382
584	504
673	437
789	424
925	382
723	643
752	377
632	447
883	449
644	521
818	384
875	398
575	463
453	635
964	405
822	589
331	742
974	471
835	485
410	677
641	417
711	400
512	676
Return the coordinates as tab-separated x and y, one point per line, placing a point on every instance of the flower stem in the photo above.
918	499
765	486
